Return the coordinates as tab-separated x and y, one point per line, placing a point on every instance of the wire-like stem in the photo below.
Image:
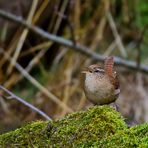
13	96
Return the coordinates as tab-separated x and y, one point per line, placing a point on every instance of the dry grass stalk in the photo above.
116	35
23	36
37	84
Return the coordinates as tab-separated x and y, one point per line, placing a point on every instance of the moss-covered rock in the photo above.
97	127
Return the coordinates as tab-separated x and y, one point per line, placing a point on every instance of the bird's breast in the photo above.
97	83
99	89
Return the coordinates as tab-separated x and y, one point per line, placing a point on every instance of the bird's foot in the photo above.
115	106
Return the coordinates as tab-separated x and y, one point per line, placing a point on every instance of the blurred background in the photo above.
105	27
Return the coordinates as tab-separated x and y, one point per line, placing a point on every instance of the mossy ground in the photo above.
97	127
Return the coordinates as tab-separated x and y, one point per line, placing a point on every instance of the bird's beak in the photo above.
84	71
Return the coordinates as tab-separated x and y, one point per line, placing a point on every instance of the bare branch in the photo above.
13	96
68	43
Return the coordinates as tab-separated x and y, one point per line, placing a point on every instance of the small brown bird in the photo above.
101	85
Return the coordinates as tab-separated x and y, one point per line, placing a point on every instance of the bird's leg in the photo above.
115	106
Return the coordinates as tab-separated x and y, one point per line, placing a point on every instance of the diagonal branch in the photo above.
68	43
36	83
13	96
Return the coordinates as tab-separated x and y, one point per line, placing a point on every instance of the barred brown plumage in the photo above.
101	85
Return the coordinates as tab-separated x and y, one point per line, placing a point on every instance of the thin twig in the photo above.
40	46
13	96
68	43
116	35
59	19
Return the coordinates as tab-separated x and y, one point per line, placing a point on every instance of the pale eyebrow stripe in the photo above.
101	70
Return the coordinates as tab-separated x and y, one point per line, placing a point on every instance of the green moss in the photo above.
136	136
30	134
86	127
97	127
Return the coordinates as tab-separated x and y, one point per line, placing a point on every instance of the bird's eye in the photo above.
97	70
